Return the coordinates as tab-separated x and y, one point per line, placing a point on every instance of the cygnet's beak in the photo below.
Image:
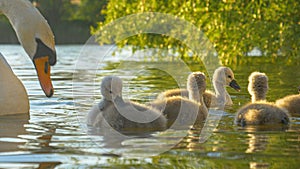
235	85
42	67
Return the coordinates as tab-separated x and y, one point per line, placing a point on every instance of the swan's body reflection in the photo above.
11	127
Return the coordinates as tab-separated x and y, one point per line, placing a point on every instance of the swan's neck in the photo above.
197	96
220	93
201	100
17	11
194	94
13	96
28	24
258	97
5	7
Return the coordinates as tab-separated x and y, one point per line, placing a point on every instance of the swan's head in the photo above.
111	87
258	85
197	80
225	77
35	36
43	58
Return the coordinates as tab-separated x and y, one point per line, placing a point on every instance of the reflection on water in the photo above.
257	143
55	135
11	128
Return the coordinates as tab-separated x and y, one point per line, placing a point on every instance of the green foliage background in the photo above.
71	22
234	27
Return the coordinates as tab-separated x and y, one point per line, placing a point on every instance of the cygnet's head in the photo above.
111	87
197	80
225	76
258	85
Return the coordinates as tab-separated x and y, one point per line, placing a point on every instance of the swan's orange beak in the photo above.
42	67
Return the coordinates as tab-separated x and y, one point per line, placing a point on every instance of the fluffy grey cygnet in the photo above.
291	103
123	116
260	111
181	111
223	76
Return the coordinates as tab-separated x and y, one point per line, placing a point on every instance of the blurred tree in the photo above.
75	16
55	10
90	11
234	27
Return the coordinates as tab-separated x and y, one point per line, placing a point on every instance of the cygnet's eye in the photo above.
229	76
110	92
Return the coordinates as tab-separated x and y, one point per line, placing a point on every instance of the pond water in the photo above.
54	134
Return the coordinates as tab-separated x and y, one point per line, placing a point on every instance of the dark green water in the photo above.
54	135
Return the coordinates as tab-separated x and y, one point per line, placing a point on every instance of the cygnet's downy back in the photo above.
291	103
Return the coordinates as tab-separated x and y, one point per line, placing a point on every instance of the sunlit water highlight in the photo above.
54	134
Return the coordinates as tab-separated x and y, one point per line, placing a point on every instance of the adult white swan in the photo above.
37	39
